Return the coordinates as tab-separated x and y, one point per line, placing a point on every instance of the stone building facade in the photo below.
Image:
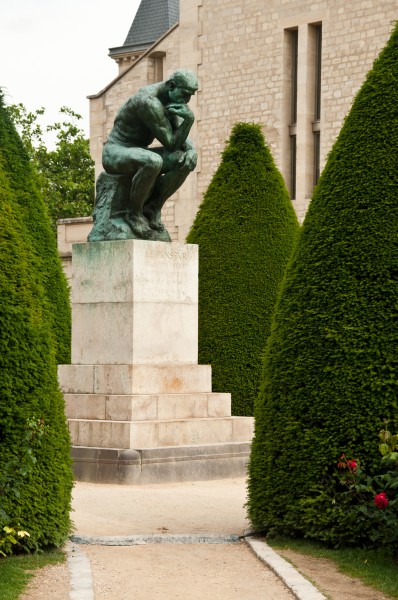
293	66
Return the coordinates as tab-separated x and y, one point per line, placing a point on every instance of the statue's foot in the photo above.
157	225
139	226
154	220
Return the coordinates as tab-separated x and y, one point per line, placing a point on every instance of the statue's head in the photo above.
181	85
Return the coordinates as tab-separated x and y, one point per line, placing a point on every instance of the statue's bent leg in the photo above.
165	186
141	188
145	166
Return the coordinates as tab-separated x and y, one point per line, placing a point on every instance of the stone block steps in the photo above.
157	434
134	379
142	407
136	424
160	465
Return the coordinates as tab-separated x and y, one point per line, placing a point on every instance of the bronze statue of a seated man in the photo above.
156	112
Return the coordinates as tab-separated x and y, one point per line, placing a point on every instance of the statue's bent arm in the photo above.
151	112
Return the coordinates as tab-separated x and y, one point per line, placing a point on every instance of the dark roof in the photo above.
153	19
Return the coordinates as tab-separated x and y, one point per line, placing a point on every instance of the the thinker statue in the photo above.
138	179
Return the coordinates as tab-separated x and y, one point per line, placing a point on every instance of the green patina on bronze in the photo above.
138	179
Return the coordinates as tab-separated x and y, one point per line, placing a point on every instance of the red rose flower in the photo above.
352	464
380	500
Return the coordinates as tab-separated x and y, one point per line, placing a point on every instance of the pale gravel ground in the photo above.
189	507
164	571
170	571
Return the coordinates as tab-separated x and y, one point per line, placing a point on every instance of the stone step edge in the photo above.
167	464
158	455
157	421
139	540
131	396
126	365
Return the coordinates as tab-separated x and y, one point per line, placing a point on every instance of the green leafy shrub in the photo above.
12	478
331	365
354	508
18	467
245	228
9	538
23	180
28	382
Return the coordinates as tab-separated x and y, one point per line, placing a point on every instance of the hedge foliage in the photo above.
245	228
28	368
33	212
331	365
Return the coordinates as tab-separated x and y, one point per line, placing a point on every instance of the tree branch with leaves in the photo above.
66	171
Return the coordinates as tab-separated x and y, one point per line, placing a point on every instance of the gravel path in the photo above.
168	571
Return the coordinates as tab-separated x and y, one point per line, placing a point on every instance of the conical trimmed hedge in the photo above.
245	228
28	383
33	212
331	365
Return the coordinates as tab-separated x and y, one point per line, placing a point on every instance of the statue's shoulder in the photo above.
149	91
136	102
146	100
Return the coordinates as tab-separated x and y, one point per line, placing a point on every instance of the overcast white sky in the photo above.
54	53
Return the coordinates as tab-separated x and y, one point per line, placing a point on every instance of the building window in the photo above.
318	71
293	110
317	155
293	165
155	67
317	102
294	49
158	68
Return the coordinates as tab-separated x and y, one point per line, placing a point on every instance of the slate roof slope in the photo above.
153	19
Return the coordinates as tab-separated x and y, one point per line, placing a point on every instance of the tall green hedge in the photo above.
28	369
331	365
245	228
33	212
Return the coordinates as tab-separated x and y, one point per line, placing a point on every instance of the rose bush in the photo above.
351	507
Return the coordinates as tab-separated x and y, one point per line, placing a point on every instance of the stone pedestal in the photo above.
135	302
140	408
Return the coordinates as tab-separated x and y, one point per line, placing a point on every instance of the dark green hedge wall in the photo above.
245	228
331	365
28	368
33	212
